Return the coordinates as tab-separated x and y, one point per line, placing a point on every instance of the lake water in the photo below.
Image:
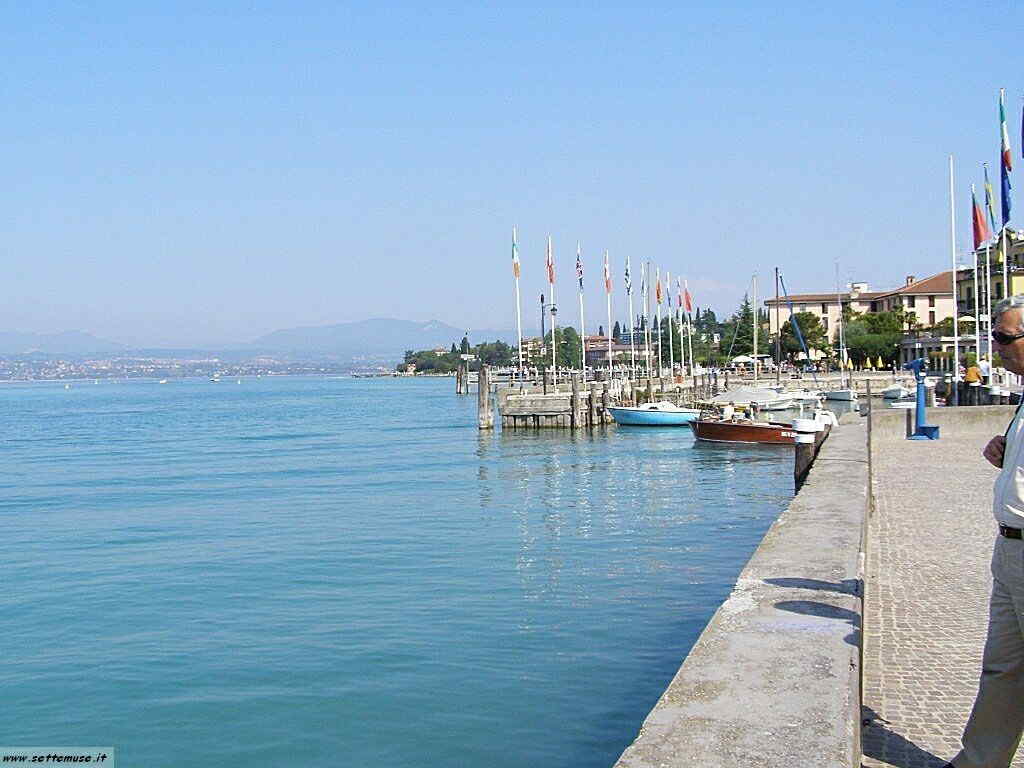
345	572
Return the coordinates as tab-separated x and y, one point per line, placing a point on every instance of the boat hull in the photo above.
841	394
743	432
637	417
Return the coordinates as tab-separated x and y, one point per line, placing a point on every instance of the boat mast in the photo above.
753	283
842	338
778	334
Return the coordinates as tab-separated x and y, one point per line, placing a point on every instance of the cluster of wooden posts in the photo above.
575	404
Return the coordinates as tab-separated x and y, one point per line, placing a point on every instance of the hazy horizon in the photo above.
191	177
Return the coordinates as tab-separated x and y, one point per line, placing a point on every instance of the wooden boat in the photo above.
743	431
662	414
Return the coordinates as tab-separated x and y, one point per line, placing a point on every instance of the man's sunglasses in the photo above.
1004	339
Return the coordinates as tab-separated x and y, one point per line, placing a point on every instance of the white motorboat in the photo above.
845	393
895	392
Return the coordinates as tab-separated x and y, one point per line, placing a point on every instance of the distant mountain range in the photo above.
380	336
75	343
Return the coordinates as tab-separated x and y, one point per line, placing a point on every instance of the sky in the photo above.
204	173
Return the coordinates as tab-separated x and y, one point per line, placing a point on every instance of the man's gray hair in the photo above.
1010	302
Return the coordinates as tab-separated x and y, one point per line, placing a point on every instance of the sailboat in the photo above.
845	392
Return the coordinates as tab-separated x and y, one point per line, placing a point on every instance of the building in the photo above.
1015	264
938	350
930	300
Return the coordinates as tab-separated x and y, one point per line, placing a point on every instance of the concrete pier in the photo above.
929	543
774	678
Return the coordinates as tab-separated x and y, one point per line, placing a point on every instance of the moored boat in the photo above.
895	392
743	431
661	414
844	393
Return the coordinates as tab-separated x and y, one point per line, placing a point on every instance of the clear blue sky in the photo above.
181	175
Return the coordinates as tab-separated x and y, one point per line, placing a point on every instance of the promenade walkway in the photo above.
927	584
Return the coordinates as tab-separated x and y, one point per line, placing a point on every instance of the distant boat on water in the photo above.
661	414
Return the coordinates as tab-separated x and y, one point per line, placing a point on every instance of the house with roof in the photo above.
930	299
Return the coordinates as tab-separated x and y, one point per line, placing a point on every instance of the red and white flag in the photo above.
551	263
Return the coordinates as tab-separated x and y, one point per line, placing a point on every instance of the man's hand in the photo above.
994	451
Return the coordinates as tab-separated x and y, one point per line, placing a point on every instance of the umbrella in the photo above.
880	364
742	359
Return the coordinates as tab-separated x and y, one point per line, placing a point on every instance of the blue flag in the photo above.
1005	177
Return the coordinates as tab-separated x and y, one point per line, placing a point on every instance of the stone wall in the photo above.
774	679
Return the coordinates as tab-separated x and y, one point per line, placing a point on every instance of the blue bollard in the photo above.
922	431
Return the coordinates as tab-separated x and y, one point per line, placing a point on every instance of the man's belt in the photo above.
1008	532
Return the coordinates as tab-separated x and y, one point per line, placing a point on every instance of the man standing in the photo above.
994	729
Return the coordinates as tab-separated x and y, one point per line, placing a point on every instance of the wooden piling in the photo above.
606	399
574	403
484	411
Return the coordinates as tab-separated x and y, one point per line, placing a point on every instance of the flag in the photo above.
990	200
515	255
657	287
607	275
1005	146
981	233
1005	179
579	266
686	295
1007	161
551	263
643	280
679	292
627	279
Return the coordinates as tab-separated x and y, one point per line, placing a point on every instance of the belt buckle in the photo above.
1008	532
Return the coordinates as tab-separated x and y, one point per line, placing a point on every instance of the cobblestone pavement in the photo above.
926	596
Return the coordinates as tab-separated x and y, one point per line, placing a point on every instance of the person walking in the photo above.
994	728
972	378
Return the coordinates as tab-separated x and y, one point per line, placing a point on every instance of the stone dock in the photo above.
929	545
854	635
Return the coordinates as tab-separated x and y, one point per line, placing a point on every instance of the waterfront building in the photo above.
930	299
938	350
1015	262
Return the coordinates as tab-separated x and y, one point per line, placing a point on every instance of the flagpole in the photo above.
629	296
554	311
671	353
990	212
657	309
646	275
583	333
988	299
956	311
679	328
608	296
689	334
519	313
977	305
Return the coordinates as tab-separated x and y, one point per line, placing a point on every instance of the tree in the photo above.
740	330
616	330
454	349
568	342
600	330
464	347
811	329
874	335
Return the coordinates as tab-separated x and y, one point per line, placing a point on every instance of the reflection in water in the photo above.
650	501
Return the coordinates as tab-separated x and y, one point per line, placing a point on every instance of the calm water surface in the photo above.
344	572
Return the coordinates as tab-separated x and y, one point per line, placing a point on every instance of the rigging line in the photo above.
796	327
